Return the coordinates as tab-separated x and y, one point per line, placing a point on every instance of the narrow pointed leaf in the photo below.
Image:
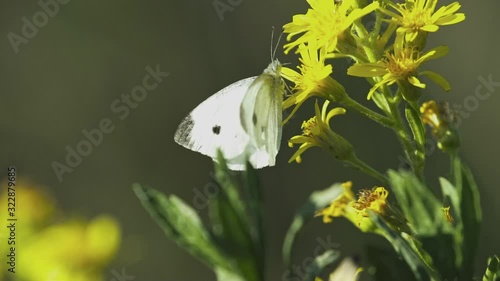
413	256
470	209
181	224
492	270
232	226
387	263
255	208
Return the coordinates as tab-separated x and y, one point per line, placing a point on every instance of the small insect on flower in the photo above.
447	214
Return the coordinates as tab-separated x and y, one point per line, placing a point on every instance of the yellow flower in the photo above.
357	210
440	118
317	132
420	16
313	79
401	67
37	205
53	247
71	250
371	200
324	23
338	206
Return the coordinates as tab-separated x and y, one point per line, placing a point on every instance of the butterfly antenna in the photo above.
272	39
277	44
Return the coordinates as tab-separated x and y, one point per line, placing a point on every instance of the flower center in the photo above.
403	64
373	199
310	127
415	18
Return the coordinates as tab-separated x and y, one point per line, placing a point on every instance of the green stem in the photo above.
367	169
401	131
418	130
382	120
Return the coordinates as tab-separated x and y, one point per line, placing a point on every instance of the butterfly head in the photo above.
274	69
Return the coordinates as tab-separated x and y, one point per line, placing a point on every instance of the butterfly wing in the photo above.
261	115
215	124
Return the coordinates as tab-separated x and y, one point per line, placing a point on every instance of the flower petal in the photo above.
415	82
438	79
430	28
435	53
333	112
451	19
367	70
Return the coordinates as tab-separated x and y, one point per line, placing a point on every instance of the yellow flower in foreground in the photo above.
313	79
357	210
324	23
72	250
401	67
50	247
317	132
37	205
420	16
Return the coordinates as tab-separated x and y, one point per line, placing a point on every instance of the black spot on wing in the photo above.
183	133
216	129
254	119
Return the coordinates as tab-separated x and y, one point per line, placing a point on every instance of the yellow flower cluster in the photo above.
52	248
334	29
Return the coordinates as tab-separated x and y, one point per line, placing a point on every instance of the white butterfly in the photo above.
243	120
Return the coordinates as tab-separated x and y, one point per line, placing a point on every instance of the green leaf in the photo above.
408	248
255	204
470	209
388	263
232	227
492	270
329	257
232	237
441	249
183	225
450	194
419	204
438	79
224	275
425	214
316	201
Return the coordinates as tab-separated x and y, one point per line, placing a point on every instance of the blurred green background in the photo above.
64	79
